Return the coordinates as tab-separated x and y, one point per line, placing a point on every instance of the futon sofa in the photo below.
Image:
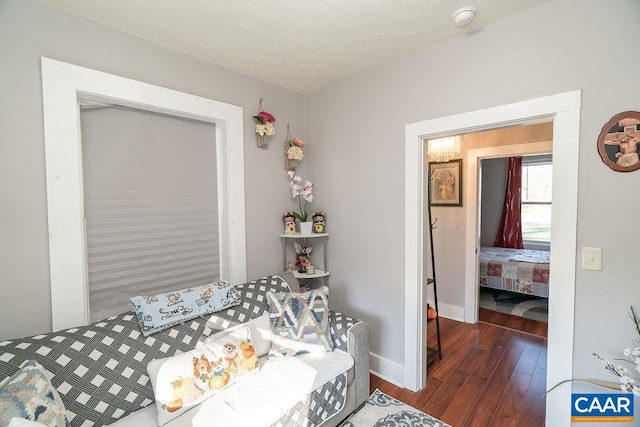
99	371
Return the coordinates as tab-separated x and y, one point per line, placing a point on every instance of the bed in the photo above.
525	271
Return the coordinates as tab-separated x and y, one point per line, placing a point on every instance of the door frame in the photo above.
473	203
564	110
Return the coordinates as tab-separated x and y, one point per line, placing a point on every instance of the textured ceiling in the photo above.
296	44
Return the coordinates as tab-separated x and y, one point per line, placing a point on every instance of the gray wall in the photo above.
494	185
357	125
29	30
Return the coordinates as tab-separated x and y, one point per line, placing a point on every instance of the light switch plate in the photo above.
592	259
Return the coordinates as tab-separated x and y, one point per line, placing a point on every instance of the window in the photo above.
64	86
536	198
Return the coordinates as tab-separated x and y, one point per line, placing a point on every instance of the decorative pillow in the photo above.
158	312
260	329
29	394
185	380
299	322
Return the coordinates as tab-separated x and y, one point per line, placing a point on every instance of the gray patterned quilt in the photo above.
100	370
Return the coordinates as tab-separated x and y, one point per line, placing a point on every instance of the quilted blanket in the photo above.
524	271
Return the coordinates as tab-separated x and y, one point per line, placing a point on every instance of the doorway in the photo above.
515	294
564	111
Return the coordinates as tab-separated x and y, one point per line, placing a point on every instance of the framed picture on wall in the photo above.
618	142
445	183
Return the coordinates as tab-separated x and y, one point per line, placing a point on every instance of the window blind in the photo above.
151	211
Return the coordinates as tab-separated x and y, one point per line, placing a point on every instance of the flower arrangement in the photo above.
631	356
304	195
264	126
293	151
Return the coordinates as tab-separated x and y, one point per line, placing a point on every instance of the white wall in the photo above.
29	30
357	125
494	185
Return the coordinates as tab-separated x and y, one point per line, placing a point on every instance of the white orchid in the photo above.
304	195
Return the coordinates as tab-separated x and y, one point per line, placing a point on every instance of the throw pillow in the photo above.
29	394
158	312
183	381
299	322
260	329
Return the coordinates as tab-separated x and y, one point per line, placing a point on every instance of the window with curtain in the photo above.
150	187
536	198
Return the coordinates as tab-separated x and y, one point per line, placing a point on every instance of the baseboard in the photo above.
394	372
386	369
452	312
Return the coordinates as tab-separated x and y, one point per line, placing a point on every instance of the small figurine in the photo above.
289	223
318	222
289	268
310	269
303	257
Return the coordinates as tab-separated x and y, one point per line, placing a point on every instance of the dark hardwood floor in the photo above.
488	376
513	322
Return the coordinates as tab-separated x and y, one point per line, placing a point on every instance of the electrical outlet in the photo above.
592	259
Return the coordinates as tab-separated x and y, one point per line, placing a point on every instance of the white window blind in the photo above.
150	205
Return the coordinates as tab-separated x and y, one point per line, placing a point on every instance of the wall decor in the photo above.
618	142
264	126
445	183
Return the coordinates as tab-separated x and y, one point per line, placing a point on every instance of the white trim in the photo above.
386	369
564	110
64	86
452	312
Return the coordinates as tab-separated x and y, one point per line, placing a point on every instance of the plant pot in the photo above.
305	227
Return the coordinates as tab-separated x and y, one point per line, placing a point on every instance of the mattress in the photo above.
525	271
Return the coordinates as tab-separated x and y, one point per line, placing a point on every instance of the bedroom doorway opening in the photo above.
513	284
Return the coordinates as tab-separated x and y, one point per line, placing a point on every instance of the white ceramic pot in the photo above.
305	227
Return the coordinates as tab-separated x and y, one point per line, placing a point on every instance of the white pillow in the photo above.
183	381
260	328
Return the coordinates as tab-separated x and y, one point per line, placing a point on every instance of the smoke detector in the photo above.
463	16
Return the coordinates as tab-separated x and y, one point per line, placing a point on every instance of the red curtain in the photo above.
510	230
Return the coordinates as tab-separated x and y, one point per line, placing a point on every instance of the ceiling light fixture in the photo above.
443	149
463	16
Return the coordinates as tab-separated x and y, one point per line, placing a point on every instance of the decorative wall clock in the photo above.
618	142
